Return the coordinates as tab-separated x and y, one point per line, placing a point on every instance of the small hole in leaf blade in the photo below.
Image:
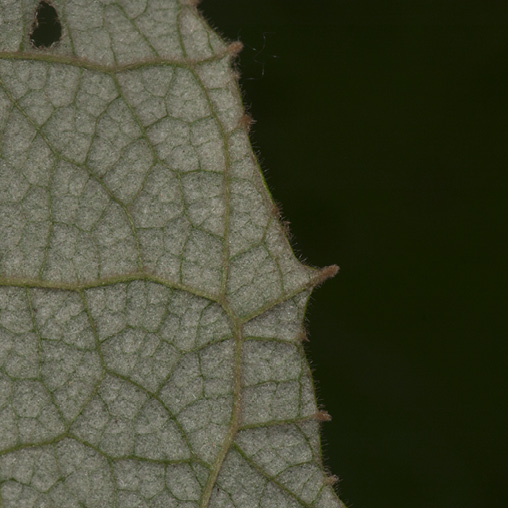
46	29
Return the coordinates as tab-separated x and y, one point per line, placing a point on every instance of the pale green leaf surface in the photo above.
150	306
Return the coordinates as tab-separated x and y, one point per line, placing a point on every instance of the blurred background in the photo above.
382	129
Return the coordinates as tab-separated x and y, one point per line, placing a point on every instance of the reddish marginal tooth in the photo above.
326	273
234	48
332	479
323	416
246	121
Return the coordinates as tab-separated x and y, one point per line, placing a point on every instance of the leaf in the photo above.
150	305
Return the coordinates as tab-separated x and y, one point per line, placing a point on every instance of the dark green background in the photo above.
382	129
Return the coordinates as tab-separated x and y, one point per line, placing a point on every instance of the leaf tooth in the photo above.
326	273
235	48
332	479
303	337
323	416
246	121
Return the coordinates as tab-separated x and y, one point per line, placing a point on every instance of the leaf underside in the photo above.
151	307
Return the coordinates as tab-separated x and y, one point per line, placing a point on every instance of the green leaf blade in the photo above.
151	307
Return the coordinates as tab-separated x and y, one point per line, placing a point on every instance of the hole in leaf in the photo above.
46	29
